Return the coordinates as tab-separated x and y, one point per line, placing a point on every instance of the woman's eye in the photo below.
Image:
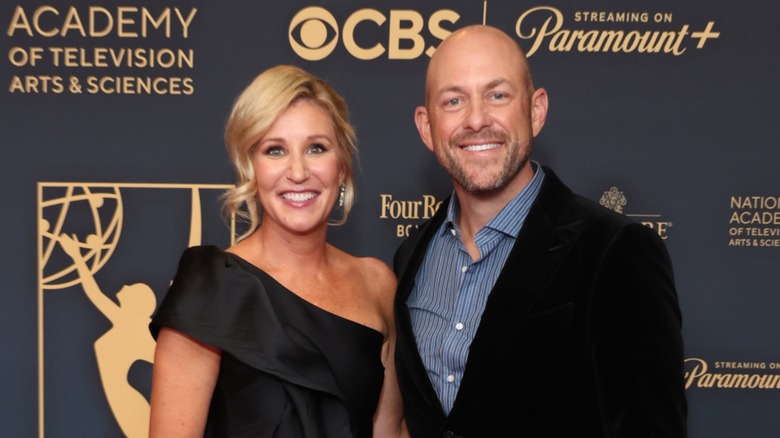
317	148
274	150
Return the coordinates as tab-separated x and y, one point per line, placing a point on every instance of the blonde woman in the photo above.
282	334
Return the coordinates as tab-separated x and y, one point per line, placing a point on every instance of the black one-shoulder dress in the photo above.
289	369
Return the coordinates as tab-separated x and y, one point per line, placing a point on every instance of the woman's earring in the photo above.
342	189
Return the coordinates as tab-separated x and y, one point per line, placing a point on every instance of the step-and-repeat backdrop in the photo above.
111	123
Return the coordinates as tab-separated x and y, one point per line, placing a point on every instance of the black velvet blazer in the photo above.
580	336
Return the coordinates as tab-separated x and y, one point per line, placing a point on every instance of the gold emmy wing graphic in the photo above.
79	229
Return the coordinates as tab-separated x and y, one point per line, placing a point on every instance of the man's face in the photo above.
478	118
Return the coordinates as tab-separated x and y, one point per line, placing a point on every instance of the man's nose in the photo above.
478	115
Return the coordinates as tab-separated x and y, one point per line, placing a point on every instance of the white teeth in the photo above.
481	147
298	197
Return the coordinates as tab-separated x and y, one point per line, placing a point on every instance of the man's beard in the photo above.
516	157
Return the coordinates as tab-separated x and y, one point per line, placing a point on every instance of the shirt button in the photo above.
459	326
464	269
450	378
452	231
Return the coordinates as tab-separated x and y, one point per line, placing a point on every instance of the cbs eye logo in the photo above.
314	33
313	26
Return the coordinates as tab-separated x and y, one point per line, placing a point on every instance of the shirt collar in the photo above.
510	219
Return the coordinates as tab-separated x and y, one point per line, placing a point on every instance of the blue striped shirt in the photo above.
451	290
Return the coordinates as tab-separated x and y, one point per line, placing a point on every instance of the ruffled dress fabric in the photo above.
289	369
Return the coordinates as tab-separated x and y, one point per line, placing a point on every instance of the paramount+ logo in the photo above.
314	33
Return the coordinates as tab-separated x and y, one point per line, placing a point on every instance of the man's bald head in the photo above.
477	44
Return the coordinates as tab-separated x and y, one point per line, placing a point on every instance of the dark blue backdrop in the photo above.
685	133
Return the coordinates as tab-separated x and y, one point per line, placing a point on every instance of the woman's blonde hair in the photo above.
255	110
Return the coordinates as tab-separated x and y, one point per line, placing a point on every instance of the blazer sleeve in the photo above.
638	347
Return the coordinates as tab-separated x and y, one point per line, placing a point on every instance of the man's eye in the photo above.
453	101
498	95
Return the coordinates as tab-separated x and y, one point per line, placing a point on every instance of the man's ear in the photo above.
423	126
538	110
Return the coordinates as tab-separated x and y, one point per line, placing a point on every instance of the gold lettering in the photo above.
36	84
122	57
756	218
349	34
19	21
16	85
37	20
93	31
434	25
543	32
72	22
699	377
430	206
755	202
139	85
422	209
185	22
125	21
566	40
163	19
411	33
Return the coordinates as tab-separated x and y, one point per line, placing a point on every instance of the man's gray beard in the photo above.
512	165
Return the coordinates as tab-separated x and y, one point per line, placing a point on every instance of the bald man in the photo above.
524	309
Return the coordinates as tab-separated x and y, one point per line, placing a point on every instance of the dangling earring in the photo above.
342	189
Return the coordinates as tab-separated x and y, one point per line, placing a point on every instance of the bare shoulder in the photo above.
379	283
379	273
373	274
368	284
374	266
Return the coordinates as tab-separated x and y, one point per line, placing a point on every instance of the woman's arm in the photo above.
389	416
183	380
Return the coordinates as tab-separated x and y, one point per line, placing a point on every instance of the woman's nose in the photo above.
298	170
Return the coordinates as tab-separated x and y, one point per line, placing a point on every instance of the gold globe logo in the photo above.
100	209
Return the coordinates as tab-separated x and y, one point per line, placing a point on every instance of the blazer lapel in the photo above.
546	237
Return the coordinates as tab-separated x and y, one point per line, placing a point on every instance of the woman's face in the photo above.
297	169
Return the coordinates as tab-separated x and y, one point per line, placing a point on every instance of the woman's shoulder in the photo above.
211	264
365	269
201	257
371	285
374	266
376	275
365	266
200	252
